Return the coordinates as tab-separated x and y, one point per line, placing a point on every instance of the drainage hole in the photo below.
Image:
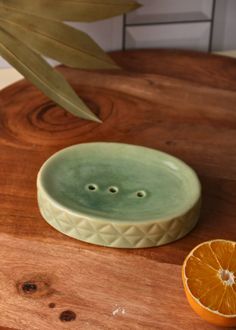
92	187
113	190
141	194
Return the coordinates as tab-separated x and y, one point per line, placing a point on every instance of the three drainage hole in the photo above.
114	190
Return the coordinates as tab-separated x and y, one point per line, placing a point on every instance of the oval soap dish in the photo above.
118	195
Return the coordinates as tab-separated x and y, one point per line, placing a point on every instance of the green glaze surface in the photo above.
121	186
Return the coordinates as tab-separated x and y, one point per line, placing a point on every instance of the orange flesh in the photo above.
210	275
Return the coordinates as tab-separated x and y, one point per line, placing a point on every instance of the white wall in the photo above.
158	25
224	37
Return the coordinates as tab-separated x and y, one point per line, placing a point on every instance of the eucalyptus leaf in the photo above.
56	40
40	73
72	10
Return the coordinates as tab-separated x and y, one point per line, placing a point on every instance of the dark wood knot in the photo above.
67	316
29	287
51	305
36	286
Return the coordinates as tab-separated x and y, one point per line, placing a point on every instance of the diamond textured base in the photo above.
118	195
116	235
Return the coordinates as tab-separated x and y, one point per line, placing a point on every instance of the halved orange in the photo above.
209	278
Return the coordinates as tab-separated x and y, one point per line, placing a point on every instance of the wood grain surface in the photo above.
183	103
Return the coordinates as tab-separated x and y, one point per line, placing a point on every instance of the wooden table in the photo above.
183	103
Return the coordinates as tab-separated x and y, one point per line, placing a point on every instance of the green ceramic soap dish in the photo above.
118	195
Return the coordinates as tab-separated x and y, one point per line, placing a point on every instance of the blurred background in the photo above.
203	25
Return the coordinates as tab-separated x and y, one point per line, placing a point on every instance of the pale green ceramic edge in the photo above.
118	233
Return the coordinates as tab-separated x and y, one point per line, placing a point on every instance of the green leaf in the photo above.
56	40
72	10
40	73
